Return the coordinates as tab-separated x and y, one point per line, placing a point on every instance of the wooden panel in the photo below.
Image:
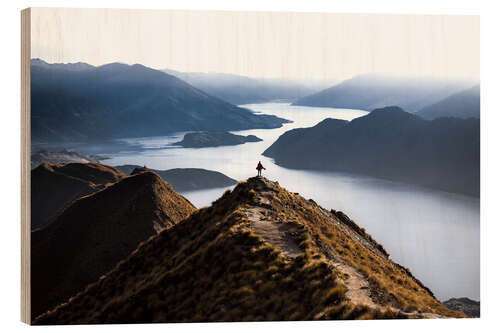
25	165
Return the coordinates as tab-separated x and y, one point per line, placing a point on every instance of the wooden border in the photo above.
25	166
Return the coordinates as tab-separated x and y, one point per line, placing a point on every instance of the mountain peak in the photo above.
388	113
97	231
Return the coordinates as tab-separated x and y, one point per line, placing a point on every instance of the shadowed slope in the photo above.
55	186
89	237
258	253
464	104
117	100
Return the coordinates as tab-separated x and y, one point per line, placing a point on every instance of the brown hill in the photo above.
56	186
95	232
258	253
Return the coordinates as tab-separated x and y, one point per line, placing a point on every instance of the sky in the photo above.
261	44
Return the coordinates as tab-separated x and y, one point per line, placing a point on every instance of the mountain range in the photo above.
372	91
392	144
90	236
238	89
258	253
80	102
464	104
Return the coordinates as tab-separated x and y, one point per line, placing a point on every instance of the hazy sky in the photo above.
262	44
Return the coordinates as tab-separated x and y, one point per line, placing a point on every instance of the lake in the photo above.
434	233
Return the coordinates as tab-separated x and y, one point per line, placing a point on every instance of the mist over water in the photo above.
434	233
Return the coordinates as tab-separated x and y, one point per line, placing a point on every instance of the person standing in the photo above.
259	169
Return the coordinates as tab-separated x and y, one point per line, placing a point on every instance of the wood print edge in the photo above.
25	166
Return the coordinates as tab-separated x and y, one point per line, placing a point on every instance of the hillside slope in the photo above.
56	186
464	104
95	232
258	253
85	103
371	91
389	143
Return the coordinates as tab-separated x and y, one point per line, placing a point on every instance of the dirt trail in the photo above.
277	233
280	234
358	291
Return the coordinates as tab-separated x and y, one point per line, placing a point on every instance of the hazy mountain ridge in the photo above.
372	91
74	102
258	253
238	89
97	231
464	104
62	156
392	144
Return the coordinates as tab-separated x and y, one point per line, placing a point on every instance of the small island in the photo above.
214	139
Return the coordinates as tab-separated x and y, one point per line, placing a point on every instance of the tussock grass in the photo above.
214	267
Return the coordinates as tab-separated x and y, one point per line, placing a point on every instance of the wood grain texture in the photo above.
261	44
25	166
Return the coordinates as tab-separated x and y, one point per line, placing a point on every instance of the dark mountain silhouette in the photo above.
214	139
237	89
79	102
392	144
464	104
258	253
186	179
56	186
97	231
371	91
465	305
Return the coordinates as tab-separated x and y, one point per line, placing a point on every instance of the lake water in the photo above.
434	233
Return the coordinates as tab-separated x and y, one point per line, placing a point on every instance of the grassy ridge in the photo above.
213	266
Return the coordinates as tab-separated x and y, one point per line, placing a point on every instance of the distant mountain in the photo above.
79	102
62	156
258	253
97	231
465	305
186	179
214	139
237	89
464	104
371	91
392	144
55	186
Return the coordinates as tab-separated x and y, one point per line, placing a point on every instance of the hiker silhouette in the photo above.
259	169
